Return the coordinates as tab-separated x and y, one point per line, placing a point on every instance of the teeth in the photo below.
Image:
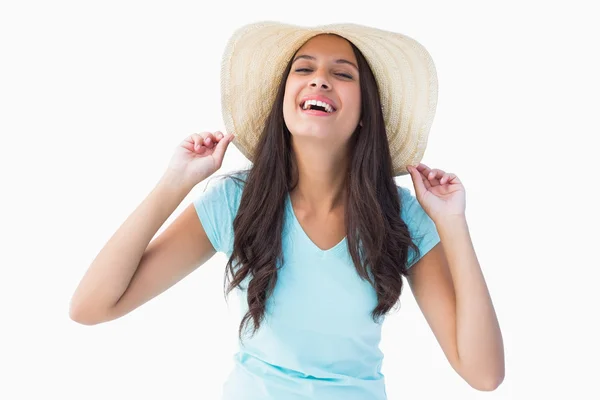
308	103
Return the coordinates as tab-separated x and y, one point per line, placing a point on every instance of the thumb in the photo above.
417	179
221	147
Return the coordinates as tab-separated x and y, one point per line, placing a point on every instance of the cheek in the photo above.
288	101
288	96
354	103
288	107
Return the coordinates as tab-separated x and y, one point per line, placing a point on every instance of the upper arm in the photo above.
432	286
429	276
175	253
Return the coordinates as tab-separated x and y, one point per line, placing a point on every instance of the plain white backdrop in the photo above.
94	96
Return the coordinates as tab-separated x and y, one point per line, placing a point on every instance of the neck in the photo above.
322	177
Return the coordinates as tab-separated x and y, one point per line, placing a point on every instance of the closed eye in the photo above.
347	76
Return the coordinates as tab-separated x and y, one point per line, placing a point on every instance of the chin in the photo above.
319	132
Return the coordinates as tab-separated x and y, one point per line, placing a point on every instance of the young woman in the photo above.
318	234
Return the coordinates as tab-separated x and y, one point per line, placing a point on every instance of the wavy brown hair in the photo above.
377	237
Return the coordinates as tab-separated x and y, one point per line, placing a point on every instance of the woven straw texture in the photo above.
256	56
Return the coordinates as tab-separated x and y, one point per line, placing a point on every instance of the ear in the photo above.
360	123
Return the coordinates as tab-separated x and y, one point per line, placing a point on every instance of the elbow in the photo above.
485	377
81	317
489	384
86	316
482	380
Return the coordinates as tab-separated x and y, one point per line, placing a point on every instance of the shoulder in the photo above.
408	203
415	217
230	182
217	205
421	227
225	188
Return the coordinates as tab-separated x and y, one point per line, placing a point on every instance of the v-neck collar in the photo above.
333	250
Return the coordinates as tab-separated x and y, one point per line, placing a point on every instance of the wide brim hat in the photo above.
257	54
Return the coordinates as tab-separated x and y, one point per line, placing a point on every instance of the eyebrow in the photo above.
338	61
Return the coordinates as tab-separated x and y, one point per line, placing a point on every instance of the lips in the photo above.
318	103
317	113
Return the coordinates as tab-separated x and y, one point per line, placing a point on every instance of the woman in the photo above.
317	232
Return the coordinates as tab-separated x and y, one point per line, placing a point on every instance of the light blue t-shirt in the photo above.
318	340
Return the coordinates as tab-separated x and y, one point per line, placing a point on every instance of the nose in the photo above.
319	81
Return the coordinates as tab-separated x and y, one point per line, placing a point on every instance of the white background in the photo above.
94	96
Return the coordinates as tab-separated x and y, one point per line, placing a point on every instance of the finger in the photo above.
444	178
197	140
428	184
452	178
201	141
447	178
209	141
435	174
205	139
189	143
423	177
216	138
194	148
424	169
221	147
418	180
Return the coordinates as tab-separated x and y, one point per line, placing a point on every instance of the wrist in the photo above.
175	182
450	220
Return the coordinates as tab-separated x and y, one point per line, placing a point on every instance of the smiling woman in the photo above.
321	268
318	235
324	183
324	75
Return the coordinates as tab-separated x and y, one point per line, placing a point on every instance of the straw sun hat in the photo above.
255	58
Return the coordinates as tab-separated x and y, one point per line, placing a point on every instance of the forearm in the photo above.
479	339
110	273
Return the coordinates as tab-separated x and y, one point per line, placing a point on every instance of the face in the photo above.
322	92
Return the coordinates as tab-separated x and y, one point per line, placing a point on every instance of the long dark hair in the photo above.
377	237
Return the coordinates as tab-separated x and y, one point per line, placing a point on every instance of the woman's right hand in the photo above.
198	156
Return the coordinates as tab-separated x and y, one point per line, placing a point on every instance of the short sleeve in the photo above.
217	207
421	227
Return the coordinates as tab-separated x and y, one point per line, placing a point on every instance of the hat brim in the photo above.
257	54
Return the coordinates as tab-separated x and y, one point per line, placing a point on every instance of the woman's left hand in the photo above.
441	194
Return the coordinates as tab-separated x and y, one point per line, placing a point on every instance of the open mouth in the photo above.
317	105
